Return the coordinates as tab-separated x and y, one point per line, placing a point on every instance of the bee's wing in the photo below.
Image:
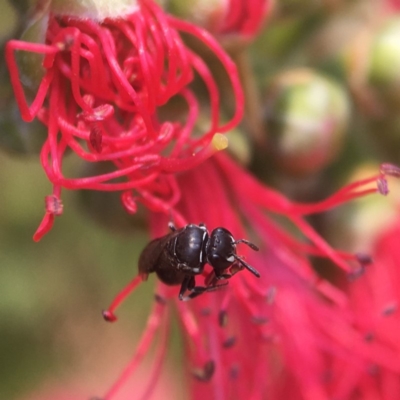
151	254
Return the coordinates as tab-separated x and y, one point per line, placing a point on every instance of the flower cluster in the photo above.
100	94
289	334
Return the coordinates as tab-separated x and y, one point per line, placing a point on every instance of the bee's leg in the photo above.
214	276
198	290
187	284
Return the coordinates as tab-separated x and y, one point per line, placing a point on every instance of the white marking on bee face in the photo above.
230	259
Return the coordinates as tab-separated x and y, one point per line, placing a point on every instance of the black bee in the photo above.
178	257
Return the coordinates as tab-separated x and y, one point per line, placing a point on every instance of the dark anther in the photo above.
234	372
205	312
109	316
268	337
389	309
96	138
373	369
222	318
356	273
159	299
364	259
369	337
327	376
383	187
259	320
390	169
271	294
204	374
230	342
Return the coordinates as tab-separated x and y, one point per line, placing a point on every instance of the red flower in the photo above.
101	89
238	19
245	17
375	297
290	333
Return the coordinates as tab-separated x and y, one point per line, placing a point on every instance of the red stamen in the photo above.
218	143
159	359
129	202
28	113
96	138
158	315
109	314
44	227
228	64
105	82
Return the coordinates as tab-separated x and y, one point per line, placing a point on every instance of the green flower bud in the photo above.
306	117
384	67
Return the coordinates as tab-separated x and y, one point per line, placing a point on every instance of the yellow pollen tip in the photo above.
219	142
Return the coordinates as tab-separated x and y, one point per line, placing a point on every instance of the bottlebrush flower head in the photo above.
289	333
103	82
